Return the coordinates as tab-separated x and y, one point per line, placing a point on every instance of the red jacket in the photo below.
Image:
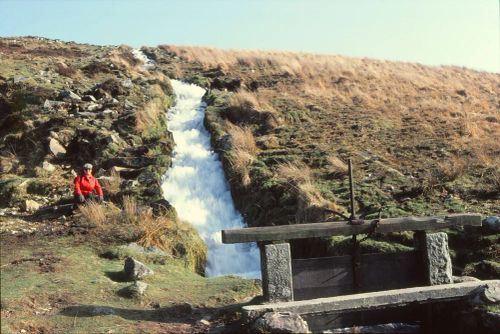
86	184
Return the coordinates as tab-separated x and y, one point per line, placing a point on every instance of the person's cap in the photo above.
87	166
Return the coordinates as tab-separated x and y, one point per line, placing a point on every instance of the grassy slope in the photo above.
59	294
421	138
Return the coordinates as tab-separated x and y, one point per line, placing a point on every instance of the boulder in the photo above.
56	148
462	279
30	205
70	95
136	290
492	223
89	98
50	104
280	322
136	270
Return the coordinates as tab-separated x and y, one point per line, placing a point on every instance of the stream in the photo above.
196	186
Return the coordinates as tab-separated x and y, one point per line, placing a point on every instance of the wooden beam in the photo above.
314	230
379	299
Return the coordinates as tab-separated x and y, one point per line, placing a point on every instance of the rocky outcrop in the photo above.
135	270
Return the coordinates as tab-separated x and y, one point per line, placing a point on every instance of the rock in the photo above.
135	290
56	148
280	322
19	78
50	104
127	83
48	166
492	223
30	205
489	294
136	270
462	279
89	98
204	322
68	94
93	107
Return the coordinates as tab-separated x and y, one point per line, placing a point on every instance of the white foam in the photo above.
195	185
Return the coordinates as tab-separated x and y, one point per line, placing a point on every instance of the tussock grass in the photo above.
336	165
311	205
93	214
165	232
243	151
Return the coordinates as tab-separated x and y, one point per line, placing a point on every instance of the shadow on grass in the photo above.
179	313
118	276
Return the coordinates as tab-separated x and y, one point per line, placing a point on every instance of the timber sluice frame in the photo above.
286	279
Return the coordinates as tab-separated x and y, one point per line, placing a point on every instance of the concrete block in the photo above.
436	257
276	262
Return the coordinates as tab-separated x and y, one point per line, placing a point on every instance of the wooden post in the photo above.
276	265
435	257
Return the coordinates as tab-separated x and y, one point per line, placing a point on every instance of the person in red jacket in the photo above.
87	187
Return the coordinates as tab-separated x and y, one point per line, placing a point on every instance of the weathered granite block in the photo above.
436	257
276	262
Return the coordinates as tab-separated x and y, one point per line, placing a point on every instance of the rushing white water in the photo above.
196	186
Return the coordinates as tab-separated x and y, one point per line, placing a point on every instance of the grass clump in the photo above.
138	223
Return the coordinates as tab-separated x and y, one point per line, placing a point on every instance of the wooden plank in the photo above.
314	230
332	276
379	299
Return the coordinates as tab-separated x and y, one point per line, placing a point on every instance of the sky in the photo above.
444	32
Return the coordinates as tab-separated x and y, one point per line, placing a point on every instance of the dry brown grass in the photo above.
296	173
148	115
242	138
336	165
243	151
93	214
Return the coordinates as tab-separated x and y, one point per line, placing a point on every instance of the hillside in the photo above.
422	139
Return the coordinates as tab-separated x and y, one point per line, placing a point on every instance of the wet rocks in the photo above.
280	322
135	270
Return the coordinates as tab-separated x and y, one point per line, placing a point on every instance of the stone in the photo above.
68	94
492	223
48	166
277	283
136	270
484	295
462	279
136	290
280	322
436	256
89	98
30	205
93	107
127	83
50	104
56	148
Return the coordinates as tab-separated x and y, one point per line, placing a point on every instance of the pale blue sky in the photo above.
450	32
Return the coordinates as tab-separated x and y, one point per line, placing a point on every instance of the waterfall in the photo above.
196	186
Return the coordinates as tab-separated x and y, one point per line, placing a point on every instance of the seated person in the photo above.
87	187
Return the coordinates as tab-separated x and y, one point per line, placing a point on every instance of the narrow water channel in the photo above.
196	186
